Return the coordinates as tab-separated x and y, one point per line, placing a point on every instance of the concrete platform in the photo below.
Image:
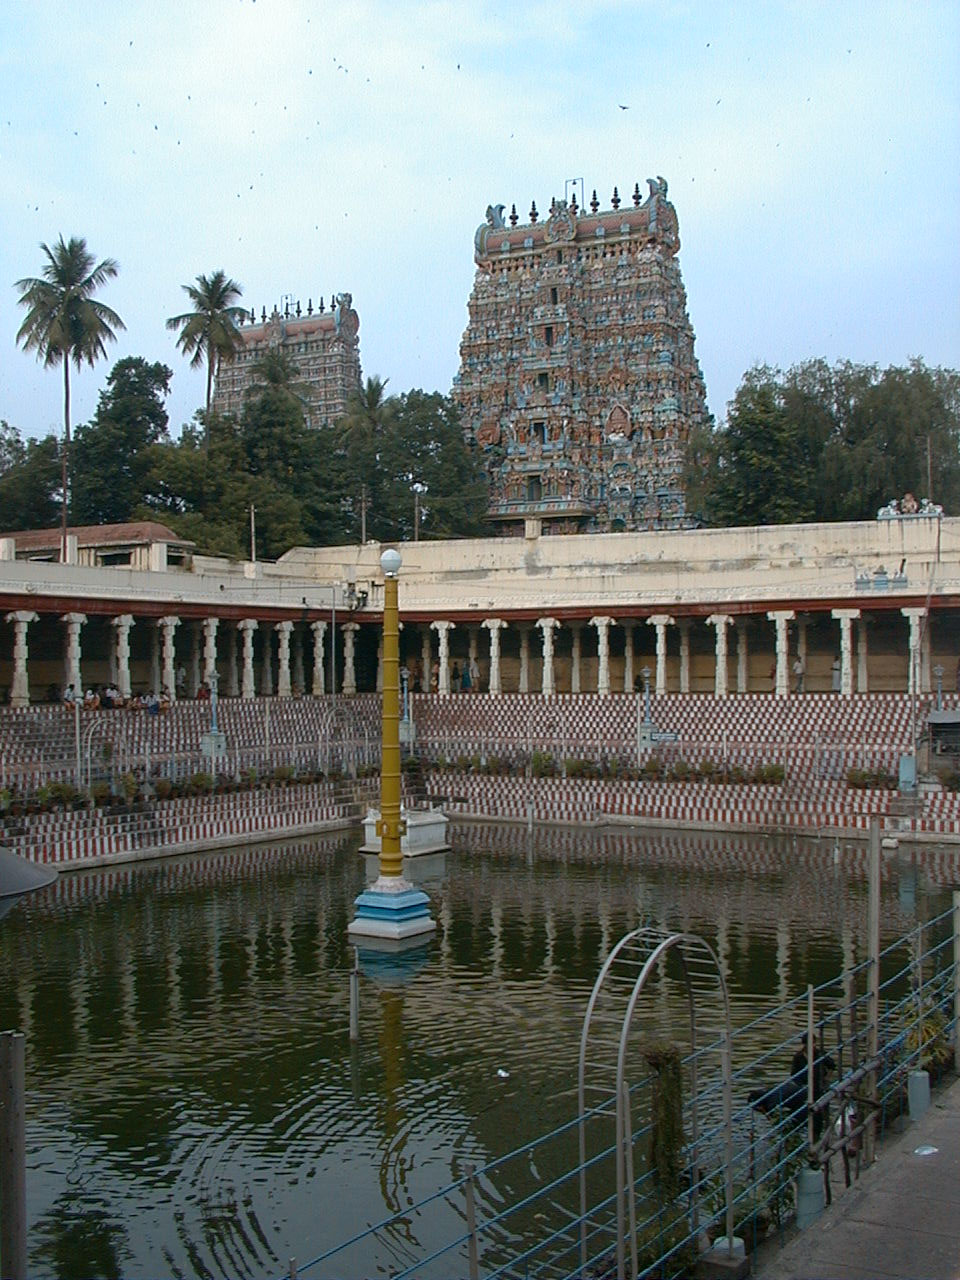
900	1221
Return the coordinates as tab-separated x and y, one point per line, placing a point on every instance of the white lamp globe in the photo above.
390	562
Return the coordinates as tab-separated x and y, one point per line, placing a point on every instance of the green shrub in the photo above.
769	773
652	769
542	765
199	784
681	771
100	793
707	770
163	788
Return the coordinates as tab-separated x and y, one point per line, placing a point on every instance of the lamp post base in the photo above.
392	909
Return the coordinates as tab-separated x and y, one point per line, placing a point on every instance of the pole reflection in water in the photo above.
195	1107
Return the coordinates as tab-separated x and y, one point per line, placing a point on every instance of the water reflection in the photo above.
195	1106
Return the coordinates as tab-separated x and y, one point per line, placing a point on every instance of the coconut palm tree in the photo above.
66	323
209	332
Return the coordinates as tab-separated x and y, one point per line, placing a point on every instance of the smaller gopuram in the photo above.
322	345
578	379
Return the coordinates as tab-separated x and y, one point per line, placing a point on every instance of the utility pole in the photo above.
253	533
416	515
363	514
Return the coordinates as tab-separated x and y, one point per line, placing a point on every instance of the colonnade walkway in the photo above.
900	1221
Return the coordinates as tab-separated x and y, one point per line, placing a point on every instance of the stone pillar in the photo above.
443	630
20	685
472	635
845	618
547	626
684	625
661	621
628	657
121	626
246	628
426	661
780	618
721	621
575	630
350	630
210	626
319	630
232	689
168	677
266	663
296	660
743	657
914	679
494	626
603	625
283	630
195	633
71	660
863	677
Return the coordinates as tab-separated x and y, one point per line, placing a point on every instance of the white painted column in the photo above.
121	626
247	627
914	617
661	621
780	618
296	660
210	626
628	657
195	642
684	625
494	626
863	676
524	682
603	625
71	663
168	679
575	631
20	684
232	689
443	630
547	626
743	657
845	617
319	630
720	684
426	661
266	663
283	630
350	630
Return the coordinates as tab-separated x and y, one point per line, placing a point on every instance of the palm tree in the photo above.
65	323
209	332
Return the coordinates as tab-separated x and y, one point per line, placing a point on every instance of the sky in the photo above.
311	147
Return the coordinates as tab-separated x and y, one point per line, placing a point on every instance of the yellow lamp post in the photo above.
390	826
392	910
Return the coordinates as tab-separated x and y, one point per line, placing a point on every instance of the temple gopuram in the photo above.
578	378
322	346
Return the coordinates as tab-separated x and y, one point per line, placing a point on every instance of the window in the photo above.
534	489
554	296
543	381
538	432
548	335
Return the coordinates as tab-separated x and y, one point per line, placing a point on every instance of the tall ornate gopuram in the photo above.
323	347
578	379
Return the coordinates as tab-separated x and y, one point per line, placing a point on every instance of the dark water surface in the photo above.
195	1107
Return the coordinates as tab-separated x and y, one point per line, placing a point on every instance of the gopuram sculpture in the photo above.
578	379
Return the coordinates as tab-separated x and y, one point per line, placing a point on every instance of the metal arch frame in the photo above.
661	944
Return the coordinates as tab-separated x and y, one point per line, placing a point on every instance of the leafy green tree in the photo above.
360	440
112	453
828	443
209	332
29	483
12	448
66	324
